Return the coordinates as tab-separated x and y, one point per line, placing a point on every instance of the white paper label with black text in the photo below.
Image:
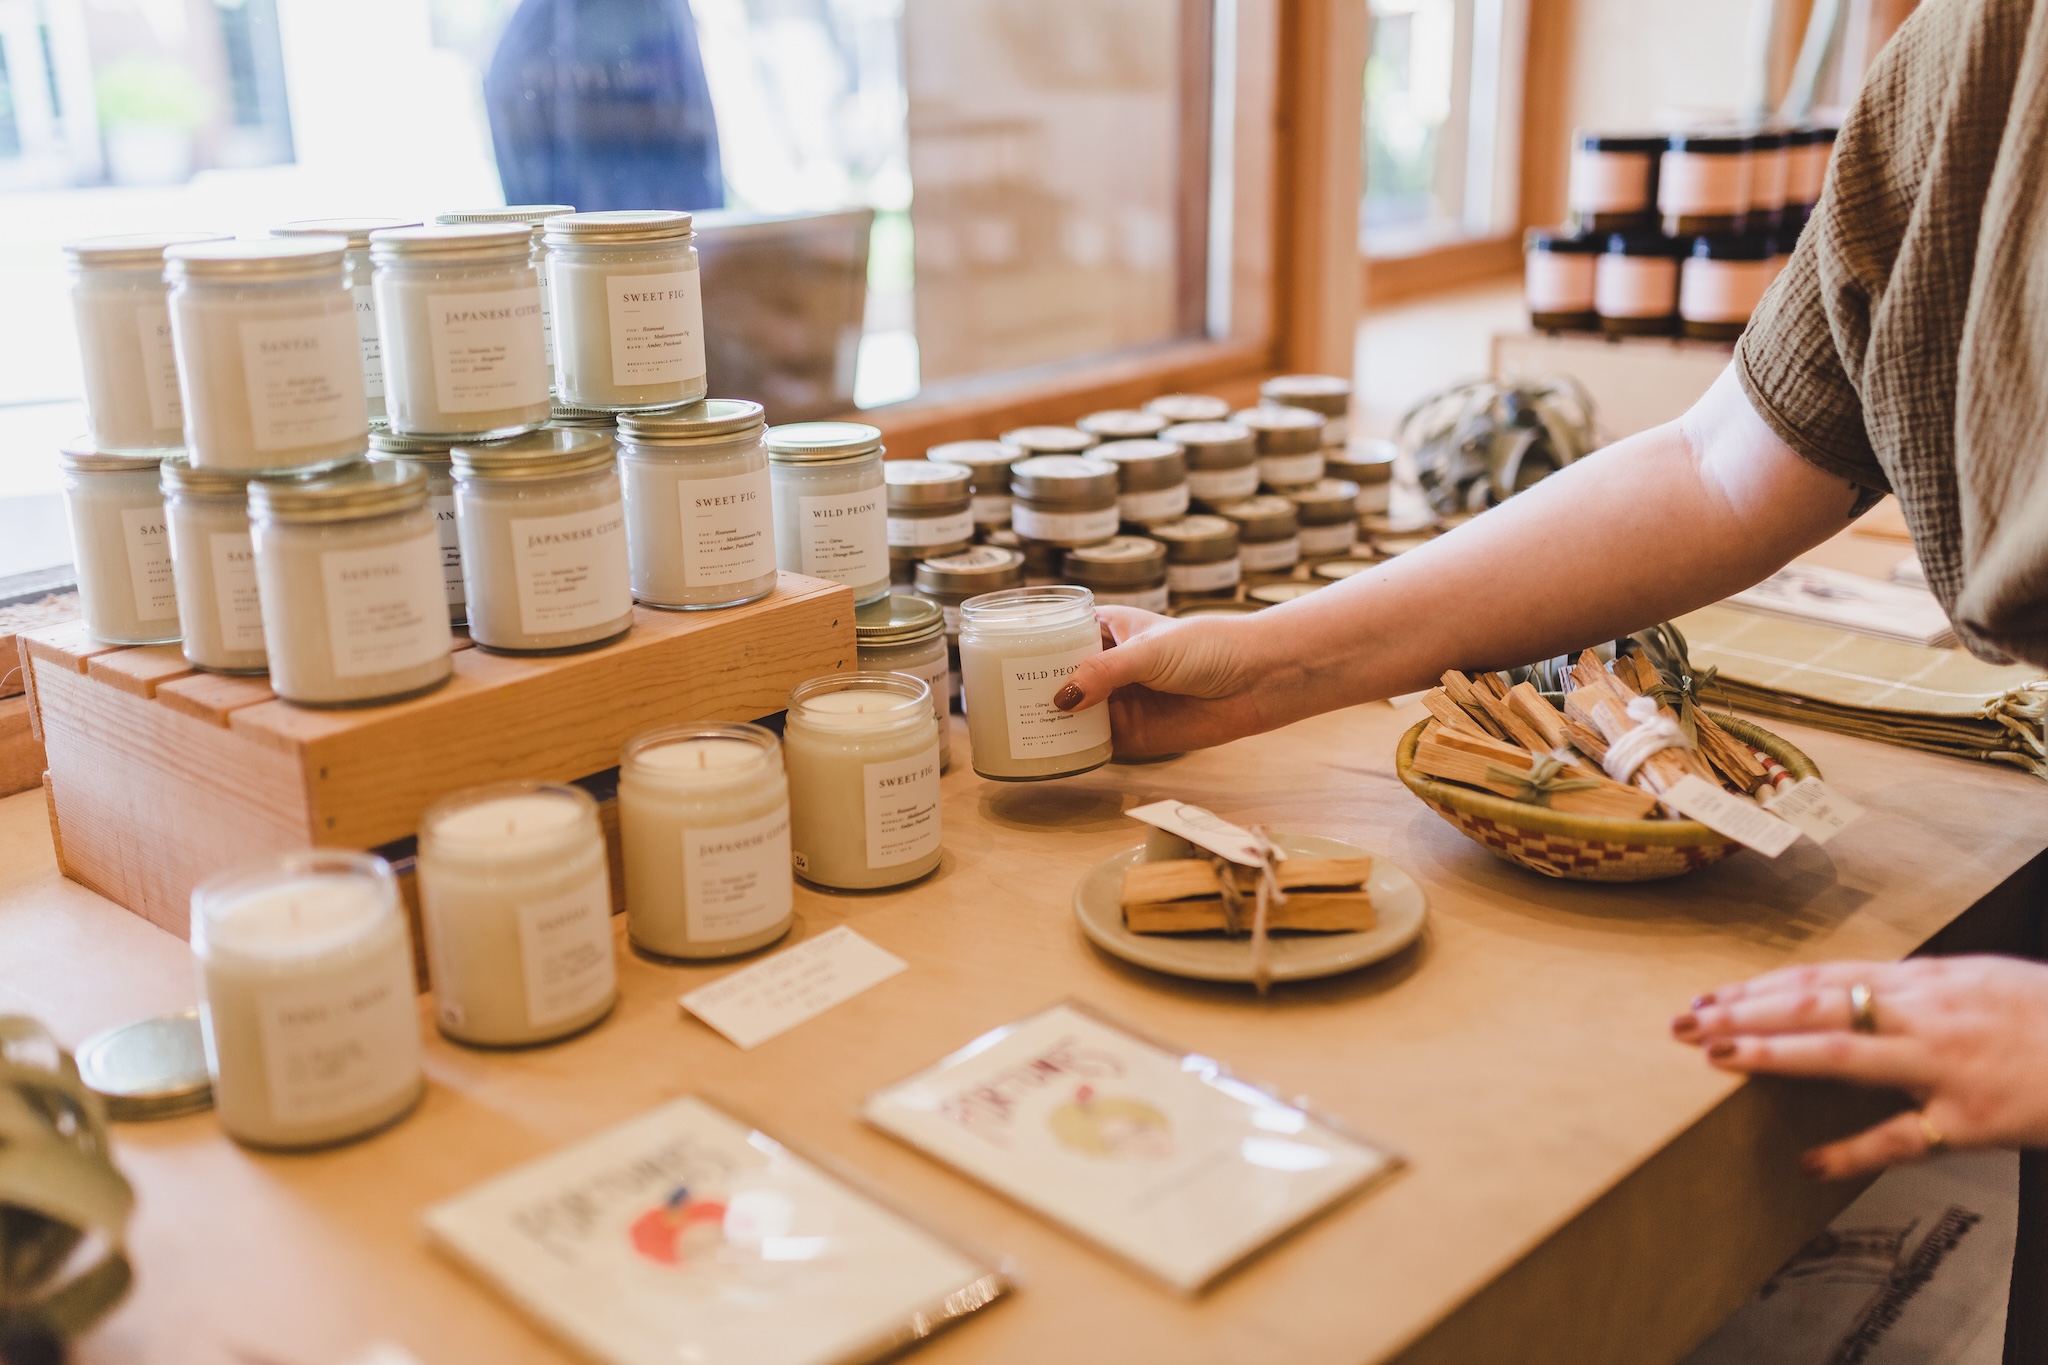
159	366
657	328
902	809
1078	527
488	350
990	509
1813	807
951	529
1267	556
1221	485
728	528
304	381
844	536
443	508
1213	576
1038	729
571	570
736	877
385	609
369	342
234	589
149	562
1288	471
565	947
1728	814
1340	539
1158	504
340	1043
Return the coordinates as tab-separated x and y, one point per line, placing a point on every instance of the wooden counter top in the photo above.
1582	1188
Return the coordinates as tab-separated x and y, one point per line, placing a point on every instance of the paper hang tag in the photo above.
1204	829
1818	810
760	1002
1726	813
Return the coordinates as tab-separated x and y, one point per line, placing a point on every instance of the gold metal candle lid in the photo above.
636	227
357	230
814	442
1049	440
150	1069
1197	539
925	483
714	419
269	258
1325	503
1284	431
181	476
898	619
131	250
1214	445
1123	424
1143	464
390	445
1189	407
989	461
1267	516
1122	561
1064	478
1371	463
545	454
482	241
81	454
1328	394
977	569
369	488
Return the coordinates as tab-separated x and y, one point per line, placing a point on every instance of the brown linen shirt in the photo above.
1905	347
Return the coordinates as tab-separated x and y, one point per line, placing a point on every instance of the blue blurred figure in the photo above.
603	104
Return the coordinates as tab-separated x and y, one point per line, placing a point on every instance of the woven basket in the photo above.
1586	848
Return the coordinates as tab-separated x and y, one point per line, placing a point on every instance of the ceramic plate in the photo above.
1396	897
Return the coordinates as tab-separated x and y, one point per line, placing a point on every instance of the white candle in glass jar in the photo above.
368	340
430	454
306	998
123	317
535	216
214	564
628	310
120	546
515	895
904	633
704	829
543	528
269	365
1017	649
863	756
831	512
699	513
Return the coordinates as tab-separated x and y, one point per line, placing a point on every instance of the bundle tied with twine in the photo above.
1266	898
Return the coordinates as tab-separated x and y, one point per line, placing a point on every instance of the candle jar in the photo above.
1289	443
1369	463
535	216
950	580
830	515
700	528
460	311
516	908
1703	183
1557	280
348	570
628	309
543	528
905	634
930	513
1613	183
1327	394
1049	440
1636	286
1151	479
431	455
988	467
1201	558
1268	533
214	566
1806	170
863	755
1721	283
356	231
704	832
120	545
1017	649
1127	571
1328	513
1041	560
1189	407
123	317
1123	424
1064	500
270	370
306	999
1223	460
1769	149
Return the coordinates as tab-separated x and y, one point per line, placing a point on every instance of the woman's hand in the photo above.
1176	685
1965	1037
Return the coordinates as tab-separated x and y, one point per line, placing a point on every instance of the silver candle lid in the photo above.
619	227
1327	502
367	488
562	414
1284	431
452	241
925	483
81	454
548	453
150	1069
1328	394
1123	424
180	475
1064	478
1214	445
714	420
1268	516
389	445
898	619
1049	440
133	250
267	258
1369	462
976	569
1189	407
1143	464
988	461
1120	562
534	216
816	442
1199	539
356	230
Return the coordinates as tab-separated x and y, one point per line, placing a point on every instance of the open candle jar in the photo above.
306	998
628	311
124	340
700	517
516	903
1017	649
863	755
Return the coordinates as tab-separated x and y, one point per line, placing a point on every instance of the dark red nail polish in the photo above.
1684	1024
1700	1002
1067	698
1721	1051
1811	1166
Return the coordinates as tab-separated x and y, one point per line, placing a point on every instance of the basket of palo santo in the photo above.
1575	791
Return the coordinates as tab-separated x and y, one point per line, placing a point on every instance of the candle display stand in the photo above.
159	776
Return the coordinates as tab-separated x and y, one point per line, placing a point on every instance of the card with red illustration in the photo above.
689	1235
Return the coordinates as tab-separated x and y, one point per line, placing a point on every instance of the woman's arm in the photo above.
1665	521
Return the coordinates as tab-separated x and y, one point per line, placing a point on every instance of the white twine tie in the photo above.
1654	733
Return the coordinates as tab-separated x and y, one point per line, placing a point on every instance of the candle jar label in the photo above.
572	569
990	509
1329	540
1221	485
341	1044
443	507
369	342
1064	526
1146	599
1283	471
657	328
149	562
728	528
159	366
845	536
1037	728
384	607
1264	556
1159	504
902	809
547	313
304	378
487	350
1214	576
565	949
946	530
234	590
736	877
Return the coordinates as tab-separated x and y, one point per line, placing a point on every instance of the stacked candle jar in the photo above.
1674	233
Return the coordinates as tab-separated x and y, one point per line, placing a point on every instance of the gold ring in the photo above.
1862	1008
1930	1135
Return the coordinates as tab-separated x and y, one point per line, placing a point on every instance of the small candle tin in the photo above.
1328	513
1201	557
1636	285
1064	500
1223	460
1369	463
1152	479
1123	424
930	512
988	466
1268	532
1558	270
1049	440
1613	185
1289	442
1189	407
1124	571
1328	394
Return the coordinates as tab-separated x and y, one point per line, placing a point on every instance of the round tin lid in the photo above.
925	483
1197	539
1267	516
545	454
1326	502
811	442
1224	608
357	230
989	461
1214	445
270	258
150	1069
131	250
1397	543
1283	430
179	476
80	453
1123	424
1189	407
1365	462
976	569
363	488
1049	440
451	240
562	414
1122	561
1273	594
1328	394
620	227
1337	570
531	214
714	419
1064	478
898	619
427	449
1144	464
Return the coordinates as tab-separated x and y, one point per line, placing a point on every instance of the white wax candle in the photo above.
863	754
116	510
516	895
700	531
1018	647
704	821
306	999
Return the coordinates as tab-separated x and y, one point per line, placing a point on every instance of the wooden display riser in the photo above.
160	777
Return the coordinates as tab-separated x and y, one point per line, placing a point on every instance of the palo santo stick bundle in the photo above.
1183	895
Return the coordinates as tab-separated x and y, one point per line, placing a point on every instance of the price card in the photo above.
1818	810
1726	813
772	997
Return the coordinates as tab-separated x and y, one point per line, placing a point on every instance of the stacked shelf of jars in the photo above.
1674	233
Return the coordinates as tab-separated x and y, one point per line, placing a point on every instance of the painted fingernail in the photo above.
1812	1166
1721	1051
1067	698
1685	1024
1700	1002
